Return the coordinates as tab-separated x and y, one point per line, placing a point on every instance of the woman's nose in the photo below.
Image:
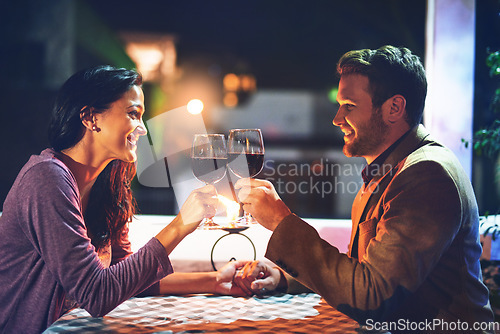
141	129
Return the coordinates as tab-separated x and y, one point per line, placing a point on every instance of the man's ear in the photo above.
397	108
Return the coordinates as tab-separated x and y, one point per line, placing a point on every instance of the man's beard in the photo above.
368	136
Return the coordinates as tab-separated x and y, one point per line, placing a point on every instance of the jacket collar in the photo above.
413	140
417	137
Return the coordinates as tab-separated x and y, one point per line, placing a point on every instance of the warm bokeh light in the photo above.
232	208
150	57
248	83
231	82
195	106
230	100
155	56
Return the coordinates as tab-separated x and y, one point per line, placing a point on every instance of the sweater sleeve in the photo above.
122	250
51	218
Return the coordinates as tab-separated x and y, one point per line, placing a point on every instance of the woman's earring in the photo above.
95	128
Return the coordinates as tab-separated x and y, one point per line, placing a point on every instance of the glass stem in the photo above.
248	217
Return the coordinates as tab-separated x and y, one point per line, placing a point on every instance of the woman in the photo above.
64	225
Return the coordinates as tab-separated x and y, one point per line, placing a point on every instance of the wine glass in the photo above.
246	155
209	160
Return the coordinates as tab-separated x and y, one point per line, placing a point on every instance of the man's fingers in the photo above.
209	188
263	285
248	182
238	264
249	195
244	193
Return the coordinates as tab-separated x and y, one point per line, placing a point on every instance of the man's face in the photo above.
363	126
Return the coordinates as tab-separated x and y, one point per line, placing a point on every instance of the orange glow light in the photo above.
230	100
232	208
231	82
248	83
195	106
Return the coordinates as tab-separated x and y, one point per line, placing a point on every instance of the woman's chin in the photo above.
130	157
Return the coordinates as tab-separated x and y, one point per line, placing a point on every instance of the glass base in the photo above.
208	224
247	219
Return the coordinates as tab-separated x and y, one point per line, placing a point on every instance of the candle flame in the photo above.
232	208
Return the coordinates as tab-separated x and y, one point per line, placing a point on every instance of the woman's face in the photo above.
120	127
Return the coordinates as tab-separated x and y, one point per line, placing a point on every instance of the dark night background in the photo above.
285	44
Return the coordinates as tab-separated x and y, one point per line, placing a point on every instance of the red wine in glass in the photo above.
246	155
209	170
209	161
252	167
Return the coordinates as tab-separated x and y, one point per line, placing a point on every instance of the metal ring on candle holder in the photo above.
232	231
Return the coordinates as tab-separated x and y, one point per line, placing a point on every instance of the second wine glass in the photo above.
246	155
209	160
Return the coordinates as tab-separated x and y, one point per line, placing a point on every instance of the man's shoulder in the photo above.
435	158
433	151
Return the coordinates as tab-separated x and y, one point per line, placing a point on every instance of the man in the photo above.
414	251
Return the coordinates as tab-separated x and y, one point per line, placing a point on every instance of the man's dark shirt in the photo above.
377	167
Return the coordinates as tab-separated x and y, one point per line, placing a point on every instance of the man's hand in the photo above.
258	277
261	200
224	284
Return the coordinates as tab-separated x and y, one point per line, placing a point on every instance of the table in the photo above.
197	246
195	252
280	313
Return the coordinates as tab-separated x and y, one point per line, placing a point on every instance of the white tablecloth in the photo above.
284	313
194	252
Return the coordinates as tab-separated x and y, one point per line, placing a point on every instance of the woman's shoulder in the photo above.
43	178
46	167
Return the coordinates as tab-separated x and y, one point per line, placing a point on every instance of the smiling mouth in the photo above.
348	133
132	139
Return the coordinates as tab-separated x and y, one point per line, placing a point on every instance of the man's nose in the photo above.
339	118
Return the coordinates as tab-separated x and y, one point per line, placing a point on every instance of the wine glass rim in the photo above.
210	135
232	130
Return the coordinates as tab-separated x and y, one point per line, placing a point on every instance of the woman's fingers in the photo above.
201	203
256	277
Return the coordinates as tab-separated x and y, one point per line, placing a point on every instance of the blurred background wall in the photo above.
265	64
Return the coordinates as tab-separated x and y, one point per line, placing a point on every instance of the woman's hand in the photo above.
201	203
258	277
236	278
224	284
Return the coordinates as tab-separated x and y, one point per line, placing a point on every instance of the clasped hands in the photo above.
260	199
246	278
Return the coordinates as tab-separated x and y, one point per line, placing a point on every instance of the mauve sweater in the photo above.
46	255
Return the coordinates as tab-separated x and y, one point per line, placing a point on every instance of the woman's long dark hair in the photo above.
111	203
